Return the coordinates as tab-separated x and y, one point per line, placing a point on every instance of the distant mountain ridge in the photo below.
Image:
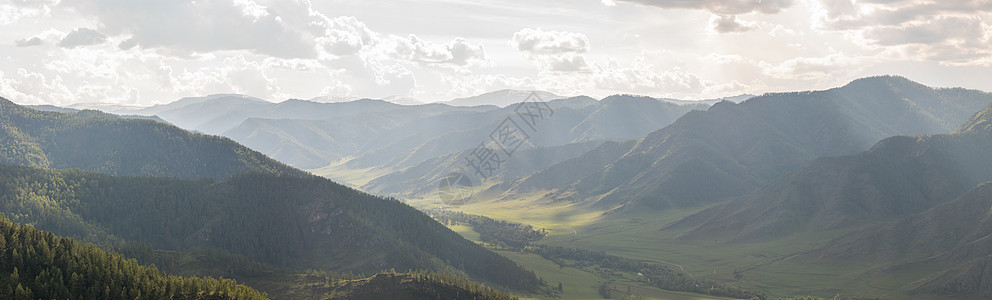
503	98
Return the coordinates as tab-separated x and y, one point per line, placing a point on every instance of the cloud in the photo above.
941	30
540	42
555	51
457	52
835	65
934	31
346	36
731	24
643	78
284	29
13	11
28	42
82	37
720	7
31	87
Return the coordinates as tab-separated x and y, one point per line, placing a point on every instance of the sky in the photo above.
145	52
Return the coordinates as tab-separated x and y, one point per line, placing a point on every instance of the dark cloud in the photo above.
28	42
721	7
82	37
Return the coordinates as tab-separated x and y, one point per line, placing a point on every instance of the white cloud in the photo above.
731	24
554	51
81	37
945	31
721	7
346	36
457	52
34	88
540	42
286	29
29	42
643	78
836	65
13	11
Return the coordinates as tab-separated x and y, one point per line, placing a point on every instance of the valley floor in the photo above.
760	266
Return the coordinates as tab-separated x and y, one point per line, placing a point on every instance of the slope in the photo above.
949	245
109	144
293	222
897	177
39	265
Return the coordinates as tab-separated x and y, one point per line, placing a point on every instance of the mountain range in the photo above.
731	149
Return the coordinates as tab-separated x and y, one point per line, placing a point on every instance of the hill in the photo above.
105	143
732	149
39	265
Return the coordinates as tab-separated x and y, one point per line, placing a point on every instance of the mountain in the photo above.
212	114
732	149
574	120
503	98
346	129
100	142
39	265
897	177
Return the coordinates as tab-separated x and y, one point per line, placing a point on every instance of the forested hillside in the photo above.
39	265
110	144
288	221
